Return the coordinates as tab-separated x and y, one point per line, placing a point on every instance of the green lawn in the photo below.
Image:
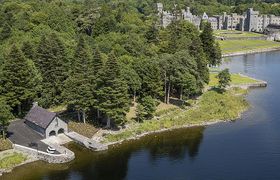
231	46
236	34
236	79
210	107
12	160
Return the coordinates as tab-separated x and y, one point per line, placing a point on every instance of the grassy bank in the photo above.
212	106
236	34
236	79
11	160
233	46
85	129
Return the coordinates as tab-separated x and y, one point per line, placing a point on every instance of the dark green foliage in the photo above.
52	62
6	32
146	108
5	117
148	61
79	86
97	62
149	71
19	80
28	50
224	79
132	80
112	94
211	49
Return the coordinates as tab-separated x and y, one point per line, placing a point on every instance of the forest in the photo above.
98	58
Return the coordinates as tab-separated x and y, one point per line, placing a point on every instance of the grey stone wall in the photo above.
50	158
56	125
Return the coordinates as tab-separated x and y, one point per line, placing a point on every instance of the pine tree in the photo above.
79	85
112	95
19	80
5	117
5	32
97	61
28	50
52	63
97	69
146	108
212	51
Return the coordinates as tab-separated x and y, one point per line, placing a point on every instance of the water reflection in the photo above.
113	164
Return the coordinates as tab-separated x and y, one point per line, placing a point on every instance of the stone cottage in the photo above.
45	122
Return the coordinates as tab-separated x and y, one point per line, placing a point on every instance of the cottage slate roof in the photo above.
40	116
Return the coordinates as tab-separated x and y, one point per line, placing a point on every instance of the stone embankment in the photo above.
65	154
251	52
87	142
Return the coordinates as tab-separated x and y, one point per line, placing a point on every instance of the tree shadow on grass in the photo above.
218	90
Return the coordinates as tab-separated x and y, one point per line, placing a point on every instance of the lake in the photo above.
248	148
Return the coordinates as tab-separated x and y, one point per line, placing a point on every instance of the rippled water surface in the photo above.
248	148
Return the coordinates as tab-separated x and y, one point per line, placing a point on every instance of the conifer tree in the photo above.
112	94
212	51
52	63
28	50
97	61
79	85
6	32
5	117
19	80
97	68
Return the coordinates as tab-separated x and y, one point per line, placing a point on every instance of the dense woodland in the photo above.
98	58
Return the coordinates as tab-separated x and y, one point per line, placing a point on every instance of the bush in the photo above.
146	108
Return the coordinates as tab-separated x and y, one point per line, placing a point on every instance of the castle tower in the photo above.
251	22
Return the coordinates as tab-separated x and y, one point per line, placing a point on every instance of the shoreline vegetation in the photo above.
210	108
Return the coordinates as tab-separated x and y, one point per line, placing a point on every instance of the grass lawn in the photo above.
236	79
237	34
210	107
58	108
11	160
5	144
232	46
85	129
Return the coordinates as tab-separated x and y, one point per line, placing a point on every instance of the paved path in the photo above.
59	139
20	133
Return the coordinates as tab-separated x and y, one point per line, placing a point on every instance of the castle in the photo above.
251	20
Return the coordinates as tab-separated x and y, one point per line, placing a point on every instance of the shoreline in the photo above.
259	84
137	137
29	159
100	139
256	51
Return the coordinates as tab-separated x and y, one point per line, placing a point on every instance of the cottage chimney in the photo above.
35	104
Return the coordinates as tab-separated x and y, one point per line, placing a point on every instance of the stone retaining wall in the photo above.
50	158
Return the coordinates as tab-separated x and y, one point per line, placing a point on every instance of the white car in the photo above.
50	150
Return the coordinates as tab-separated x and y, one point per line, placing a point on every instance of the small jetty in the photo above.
87	142
258	84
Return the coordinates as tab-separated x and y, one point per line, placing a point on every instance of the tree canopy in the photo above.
98	57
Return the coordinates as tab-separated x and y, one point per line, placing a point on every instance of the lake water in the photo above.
248	148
